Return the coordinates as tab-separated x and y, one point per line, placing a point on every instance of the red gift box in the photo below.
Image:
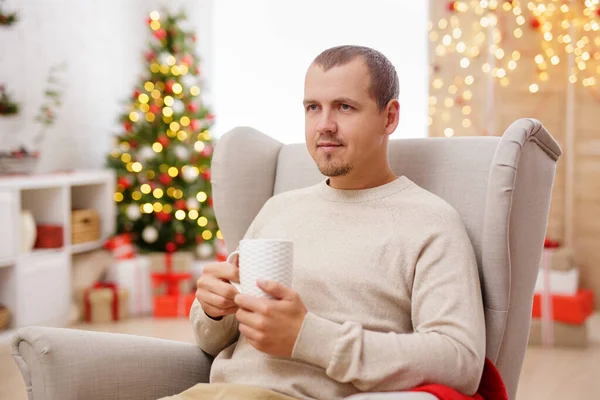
169	278
49	237
173	306
568	309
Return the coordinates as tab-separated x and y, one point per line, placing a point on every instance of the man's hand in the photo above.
271	326
214	292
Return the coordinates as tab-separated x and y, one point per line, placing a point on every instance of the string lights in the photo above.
483	40
468	38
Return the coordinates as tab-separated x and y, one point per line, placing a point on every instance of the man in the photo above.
386	293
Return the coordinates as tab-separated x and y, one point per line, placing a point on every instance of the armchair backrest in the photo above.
501	186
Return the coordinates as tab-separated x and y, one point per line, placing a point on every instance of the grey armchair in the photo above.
500	185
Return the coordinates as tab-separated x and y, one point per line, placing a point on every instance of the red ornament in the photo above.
133	144
160	34
124	182
163	216
535	23
187	60
169	86
199	239
127	125
154	109
206	175
180	239
180	204
165	179
136	93
163	140
149	20
207	151
192	107
149	56
170	247
194	38
598	12
195	124
452	6
210	117
210	202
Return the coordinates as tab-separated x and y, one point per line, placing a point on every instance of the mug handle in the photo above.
230	260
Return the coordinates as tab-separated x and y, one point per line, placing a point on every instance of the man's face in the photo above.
344	128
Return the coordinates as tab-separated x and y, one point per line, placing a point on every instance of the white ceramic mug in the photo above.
269	259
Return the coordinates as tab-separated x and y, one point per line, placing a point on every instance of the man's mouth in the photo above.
328	144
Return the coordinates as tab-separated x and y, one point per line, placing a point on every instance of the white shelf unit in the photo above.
36	286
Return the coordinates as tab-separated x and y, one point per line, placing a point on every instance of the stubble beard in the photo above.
333	168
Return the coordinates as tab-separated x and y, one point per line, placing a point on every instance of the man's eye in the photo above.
311	107
345	107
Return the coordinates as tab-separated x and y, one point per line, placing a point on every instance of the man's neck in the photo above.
362	181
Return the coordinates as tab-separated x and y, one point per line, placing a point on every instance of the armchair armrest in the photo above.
69	364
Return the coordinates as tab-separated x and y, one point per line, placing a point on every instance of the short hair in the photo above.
385	85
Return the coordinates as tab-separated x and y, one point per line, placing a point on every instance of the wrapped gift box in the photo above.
567	335
166	306
559	259
561	282
567	309
181	263
105	302
134	275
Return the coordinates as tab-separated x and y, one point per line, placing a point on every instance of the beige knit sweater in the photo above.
390	281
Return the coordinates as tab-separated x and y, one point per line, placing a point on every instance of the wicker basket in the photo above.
85	226
4	318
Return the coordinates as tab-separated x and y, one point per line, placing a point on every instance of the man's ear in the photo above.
392	114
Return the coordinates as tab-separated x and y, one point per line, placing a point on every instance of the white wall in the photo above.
254	56
263	47
102	43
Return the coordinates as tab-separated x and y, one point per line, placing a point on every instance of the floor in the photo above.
547	374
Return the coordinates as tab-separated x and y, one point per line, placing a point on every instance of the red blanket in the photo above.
491	387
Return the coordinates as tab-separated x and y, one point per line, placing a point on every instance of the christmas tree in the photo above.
163	153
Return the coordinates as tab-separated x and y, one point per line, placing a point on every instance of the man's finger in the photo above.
215	311
220	287
215	300
250	333
253	320
252	303
223	270
275	289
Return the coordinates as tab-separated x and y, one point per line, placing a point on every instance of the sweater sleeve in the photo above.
212	336
447	345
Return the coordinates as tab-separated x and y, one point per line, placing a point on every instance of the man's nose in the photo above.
326	124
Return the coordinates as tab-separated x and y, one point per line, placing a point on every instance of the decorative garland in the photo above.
7	19
7	107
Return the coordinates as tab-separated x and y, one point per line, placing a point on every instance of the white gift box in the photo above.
134	275
561	282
